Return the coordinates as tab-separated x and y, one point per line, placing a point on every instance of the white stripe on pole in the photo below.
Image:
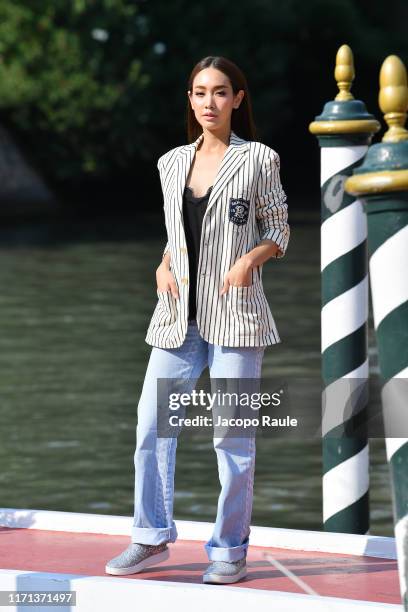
338	158
344	314
347	482
360	372
351	224
337	401
389	287
392	445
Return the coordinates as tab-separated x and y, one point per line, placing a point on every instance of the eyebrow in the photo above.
216	87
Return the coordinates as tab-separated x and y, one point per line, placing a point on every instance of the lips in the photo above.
209	115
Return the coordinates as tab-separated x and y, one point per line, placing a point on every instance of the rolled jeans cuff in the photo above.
216	553
154	535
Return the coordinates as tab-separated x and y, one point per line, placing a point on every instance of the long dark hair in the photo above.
242	121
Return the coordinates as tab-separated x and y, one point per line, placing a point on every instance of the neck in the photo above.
213	142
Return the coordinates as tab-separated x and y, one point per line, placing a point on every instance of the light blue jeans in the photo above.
155	457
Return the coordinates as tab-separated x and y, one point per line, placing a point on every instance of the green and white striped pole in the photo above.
344	131
383	182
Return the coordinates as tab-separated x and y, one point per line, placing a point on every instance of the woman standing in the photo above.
226	214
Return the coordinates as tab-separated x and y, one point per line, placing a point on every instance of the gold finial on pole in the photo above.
344	73
393	98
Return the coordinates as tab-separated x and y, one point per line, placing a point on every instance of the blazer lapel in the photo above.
234	157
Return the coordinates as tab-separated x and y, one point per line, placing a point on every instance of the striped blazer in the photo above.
246	205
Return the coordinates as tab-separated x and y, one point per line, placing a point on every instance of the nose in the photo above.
209	102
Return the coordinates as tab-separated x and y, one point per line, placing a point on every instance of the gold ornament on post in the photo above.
393	98
344	73
344	114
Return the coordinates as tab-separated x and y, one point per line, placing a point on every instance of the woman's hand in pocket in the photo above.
165	280
238	276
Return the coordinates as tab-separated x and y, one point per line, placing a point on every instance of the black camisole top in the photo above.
193	213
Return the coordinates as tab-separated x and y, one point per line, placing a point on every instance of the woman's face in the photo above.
212	99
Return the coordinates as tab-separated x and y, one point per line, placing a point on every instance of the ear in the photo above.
238	98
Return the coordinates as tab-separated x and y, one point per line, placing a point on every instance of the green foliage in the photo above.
67	78
96	86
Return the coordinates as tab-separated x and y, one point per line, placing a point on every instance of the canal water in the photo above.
75	302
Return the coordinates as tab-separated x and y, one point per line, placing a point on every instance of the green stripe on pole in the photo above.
356	515
337	450
334	187
344	273
399	465
380	230
393	356
345	355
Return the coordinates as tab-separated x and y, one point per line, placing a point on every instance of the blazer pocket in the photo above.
167	307
238	211
240	293
240	296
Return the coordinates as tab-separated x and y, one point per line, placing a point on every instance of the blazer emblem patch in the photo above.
238	210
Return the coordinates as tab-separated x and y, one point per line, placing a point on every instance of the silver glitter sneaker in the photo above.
225	572
136	558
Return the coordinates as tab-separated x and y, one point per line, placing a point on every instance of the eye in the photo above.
200	93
